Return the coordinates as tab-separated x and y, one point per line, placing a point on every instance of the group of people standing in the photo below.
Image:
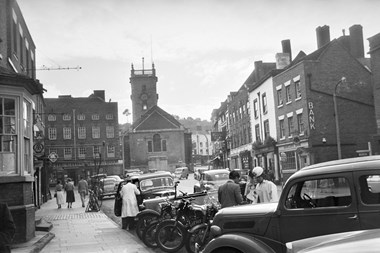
257	190
69	189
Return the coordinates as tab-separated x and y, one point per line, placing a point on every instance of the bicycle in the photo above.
98	193
93	204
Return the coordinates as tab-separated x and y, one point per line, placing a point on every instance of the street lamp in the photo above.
342	80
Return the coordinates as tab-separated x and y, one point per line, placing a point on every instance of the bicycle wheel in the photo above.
199	236
149	233
170	236
143	222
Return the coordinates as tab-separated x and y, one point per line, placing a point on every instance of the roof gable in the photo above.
156	119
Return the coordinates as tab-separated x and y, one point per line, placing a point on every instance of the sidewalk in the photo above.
74	230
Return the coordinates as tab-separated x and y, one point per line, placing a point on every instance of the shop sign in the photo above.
311	116
53	157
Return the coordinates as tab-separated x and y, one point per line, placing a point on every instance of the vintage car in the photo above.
326	198
210	180
108	186
363	241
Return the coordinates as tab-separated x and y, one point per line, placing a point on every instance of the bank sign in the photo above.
311	116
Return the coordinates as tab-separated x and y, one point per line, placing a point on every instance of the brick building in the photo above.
21	104
83	134
157	140
304	102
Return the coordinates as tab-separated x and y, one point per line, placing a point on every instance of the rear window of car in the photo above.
319	193
147	184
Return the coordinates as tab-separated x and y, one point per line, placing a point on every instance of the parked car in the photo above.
363	241
133	172
210	180
181	173
198	171
109	186
326	198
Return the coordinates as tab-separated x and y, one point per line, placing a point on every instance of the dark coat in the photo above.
7	228
229	194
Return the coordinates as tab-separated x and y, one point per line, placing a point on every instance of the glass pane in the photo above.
9	143
9	106
9	125
7	164
1	125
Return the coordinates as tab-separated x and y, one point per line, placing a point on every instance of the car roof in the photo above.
343	165
150	175
213	172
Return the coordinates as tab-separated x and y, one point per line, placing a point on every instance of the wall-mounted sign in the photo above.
53	157
311	116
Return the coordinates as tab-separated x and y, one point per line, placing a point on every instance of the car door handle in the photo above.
355	217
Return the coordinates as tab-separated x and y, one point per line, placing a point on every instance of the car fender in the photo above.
191	230
242	242
147	212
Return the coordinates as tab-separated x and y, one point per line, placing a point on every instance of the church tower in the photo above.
144	90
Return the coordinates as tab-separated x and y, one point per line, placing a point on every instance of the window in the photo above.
81	152
301	127
255	108
81	116
265	106
163	143
266	129
97	151
95	116
67	133
319	193
95	132
110	151
280	101
257	132
51	117
297	89
21	42
8	136
66	117
110	131
156	143
290	125
52	133
150	146
109	116
282	129
67	153
370	189
287	91
81	132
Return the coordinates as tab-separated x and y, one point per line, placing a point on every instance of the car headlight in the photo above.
215	230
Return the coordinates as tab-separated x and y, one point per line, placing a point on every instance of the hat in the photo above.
257	171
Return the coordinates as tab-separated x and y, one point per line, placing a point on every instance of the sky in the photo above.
202	49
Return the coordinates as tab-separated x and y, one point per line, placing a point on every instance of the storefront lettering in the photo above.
311	116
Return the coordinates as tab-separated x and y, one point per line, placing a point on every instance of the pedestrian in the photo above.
130	207
265	190
7	228
249	192
59	194
229	194
69	188
82	189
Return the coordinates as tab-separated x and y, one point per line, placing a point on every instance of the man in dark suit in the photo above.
7	228
229	194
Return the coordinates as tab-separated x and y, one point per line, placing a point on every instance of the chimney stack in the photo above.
100	94
356	41
323	35
286	48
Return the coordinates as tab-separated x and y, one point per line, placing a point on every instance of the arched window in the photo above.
156	143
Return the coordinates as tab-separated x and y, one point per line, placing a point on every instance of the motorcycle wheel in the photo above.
170	236
149	235
143	222
200	236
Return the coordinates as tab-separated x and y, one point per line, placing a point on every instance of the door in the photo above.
317	206
368	185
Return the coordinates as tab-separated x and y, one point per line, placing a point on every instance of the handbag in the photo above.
55	195
117	205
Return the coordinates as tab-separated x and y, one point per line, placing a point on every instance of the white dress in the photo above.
130	207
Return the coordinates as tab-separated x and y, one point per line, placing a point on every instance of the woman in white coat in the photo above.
130	207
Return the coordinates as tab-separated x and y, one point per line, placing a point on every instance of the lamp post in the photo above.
342	80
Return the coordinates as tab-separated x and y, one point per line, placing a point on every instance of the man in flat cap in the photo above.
266	191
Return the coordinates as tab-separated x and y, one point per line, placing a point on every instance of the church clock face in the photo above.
144	96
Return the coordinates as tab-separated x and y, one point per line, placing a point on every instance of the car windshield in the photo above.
216	177
152	183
